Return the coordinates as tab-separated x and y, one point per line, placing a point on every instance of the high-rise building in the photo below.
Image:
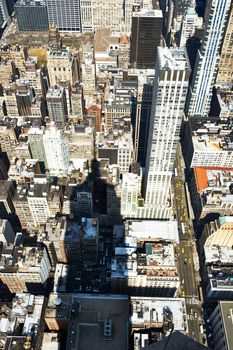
225	70
86	15
65	14
4	15
32	73
189	23
35	139
168	101
146	36
25	269
8	141
56	150
7	71
24	96
176	11
131	190
221	324
10	101
107	14
10	6
32	15
57	108
62	67
89	240
88	71
207	62
129	7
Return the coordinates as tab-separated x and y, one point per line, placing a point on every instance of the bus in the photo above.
182	228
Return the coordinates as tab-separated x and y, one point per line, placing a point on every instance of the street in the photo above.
187	254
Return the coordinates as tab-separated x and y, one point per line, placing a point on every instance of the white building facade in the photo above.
190	22
207	62
169	95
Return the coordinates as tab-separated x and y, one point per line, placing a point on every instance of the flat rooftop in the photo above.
51	342
218	246
173	59
155	311
211	134
88	317
213	178
154	229
148	13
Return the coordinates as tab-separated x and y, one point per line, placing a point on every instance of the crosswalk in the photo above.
193	318
192	301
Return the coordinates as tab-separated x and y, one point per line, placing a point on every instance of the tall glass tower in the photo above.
65	14
207	62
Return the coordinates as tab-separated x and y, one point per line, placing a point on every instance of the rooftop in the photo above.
22	260
89	227
54	92
211	134
148	13
114	139
155	312
173	59
153	229
26	310
218	246
59	53
155	260
88	315
225	97
51	341
213	178
104	39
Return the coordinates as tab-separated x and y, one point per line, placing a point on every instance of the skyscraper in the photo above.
146	36
208	57
24	96
168	101
225	70
31	15
128	9
4	15
189	23
101	14
65	14
56	102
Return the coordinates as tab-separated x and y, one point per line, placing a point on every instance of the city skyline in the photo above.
116	174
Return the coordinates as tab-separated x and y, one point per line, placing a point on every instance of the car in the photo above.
182	250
